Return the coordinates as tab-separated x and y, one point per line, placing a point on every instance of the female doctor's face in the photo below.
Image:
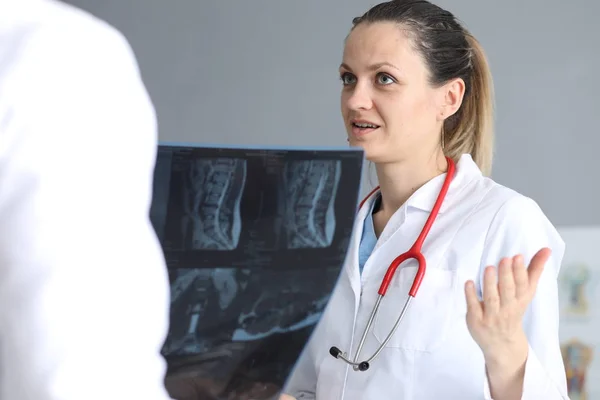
388	105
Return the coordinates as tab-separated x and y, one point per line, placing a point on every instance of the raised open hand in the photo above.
495	322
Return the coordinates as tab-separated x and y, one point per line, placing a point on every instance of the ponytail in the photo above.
471	129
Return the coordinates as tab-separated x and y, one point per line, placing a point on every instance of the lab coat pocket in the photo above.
429	315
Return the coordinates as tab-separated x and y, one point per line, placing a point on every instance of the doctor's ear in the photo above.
451	98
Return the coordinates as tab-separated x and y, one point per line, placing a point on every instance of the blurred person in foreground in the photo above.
83	285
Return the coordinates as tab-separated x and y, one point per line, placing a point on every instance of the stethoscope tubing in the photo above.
415	253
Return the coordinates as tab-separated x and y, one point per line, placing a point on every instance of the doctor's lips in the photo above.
361	126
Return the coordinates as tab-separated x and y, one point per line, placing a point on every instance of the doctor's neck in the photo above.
399	180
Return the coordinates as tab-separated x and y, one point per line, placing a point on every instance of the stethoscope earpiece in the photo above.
335	352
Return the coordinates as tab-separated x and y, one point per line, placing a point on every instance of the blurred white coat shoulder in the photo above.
84	293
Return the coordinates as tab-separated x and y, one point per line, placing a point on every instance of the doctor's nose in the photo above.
359	98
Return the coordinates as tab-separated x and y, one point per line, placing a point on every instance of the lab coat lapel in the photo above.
351	264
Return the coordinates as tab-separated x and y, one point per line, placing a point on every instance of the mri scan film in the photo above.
255	240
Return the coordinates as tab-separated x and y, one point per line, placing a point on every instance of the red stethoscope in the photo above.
415	253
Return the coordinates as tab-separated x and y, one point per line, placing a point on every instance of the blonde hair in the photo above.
472	131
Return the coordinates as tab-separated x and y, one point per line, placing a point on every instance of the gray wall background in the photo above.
265	72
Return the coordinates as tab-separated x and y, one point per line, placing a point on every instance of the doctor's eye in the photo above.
347	78
385	79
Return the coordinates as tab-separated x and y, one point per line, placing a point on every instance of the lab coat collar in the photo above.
424	198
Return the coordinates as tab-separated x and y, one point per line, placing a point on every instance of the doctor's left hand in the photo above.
496	322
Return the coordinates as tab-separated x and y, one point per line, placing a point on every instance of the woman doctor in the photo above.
484	323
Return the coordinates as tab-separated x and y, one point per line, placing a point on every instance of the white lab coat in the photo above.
83	286
432	356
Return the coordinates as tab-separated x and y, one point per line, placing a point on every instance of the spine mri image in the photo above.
212	198
202	297
311	186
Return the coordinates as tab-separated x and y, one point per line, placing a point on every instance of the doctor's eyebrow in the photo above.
372	67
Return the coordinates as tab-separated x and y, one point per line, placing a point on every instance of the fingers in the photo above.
536	267
506	281
473	303
521	277
491	297
514	282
